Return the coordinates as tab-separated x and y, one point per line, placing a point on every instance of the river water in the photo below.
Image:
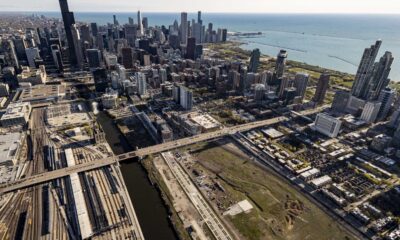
149	206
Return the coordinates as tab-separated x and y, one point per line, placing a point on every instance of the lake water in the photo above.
331	41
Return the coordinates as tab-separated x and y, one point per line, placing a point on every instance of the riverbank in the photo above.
151	210
137	136
155	177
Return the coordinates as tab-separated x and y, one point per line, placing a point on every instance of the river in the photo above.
149	206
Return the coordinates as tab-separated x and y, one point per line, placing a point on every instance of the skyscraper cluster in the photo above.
270	86
372	77
158	84
128	41
72	34
370	98
195	29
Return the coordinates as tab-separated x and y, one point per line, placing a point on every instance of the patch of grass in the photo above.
395	86
249	226
242	179
309	94
265	204
313	74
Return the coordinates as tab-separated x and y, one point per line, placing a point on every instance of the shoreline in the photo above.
234	47
245	40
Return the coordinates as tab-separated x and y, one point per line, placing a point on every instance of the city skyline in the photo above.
141	125
257	6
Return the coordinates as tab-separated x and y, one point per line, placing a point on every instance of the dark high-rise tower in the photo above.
386	98
322	87
191	48
280	63
69	21
379	76
127	57
361	83
94	58
199	18
115	20
254	60
300	83
95	29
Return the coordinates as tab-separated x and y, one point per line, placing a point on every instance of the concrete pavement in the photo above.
48	176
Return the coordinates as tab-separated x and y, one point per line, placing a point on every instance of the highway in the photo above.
48	176
88	166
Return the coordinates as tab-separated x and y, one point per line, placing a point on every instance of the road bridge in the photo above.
64	172
59	173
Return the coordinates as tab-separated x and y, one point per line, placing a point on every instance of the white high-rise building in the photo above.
163	75
327	125
354	105
184	28
186	98
121	72
114	80
371	111
141	83
140	24
110	59
110	99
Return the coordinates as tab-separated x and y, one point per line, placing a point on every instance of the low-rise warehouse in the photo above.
9	148
321	181
16	114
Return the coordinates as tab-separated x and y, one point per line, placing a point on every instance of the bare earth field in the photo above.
280	212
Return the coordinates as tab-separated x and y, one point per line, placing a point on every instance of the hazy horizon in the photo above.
207	12
222	6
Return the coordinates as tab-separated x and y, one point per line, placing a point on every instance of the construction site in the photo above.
250	201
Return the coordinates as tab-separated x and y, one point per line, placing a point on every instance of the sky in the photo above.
237	6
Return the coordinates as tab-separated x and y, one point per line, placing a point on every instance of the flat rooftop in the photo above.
272	133
16	110
9	144
205	121
42	92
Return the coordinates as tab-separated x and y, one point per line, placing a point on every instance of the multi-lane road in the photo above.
48	176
